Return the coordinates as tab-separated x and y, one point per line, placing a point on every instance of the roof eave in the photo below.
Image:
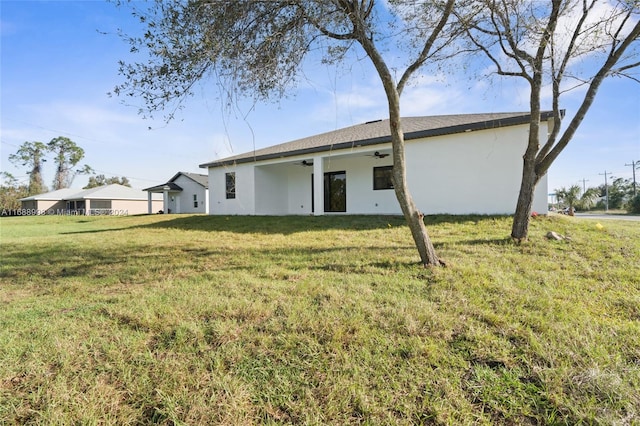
482	125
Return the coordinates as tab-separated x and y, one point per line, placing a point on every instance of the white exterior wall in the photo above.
474	172
466	173
361	197
184	199
299	196
271	186
244	203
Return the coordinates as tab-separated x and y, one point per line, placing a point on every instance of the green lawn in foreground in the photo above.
317	320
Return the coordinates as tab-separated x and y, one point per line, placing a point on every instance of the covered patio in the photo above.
170	199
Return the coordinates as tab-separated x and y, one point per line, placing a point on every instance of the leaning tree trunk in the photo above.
414	218
520	228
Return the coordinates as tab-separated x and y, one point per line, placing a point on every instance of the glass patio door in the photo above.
335	192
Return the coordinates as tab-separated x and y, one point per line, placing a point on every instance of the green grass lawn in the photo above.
317	320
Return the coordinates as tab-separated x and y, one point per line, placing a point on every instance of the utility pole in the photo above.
584	185
606	190
633	167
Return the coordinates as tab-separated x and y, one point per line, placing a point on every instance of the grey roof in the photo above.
160	188
377	132
109	192
106	192
57	195
196	177
200	179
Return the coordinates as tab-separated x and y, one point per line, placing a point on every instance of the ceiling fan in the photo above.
379	154
306	163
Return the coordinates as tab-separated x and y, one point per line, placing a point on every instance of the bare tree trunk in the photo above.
412	215
414	218
520	227
60	177
530	177
36	184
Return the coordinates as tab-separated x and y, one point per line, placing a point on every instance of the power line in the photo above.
606	190
634	167
10	144
128	177
584	184
62	132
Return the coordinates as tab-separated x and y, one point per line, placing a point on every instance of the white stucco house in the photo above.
183	193
456	164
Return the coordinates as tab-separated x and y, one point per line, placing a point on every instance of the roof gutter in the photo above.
483	125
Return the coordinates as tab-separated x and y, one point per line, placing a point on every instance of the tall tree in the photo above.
257	48
559	45
31	154
67	156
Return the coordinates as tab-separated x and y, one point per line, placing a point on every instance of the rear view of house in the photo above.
456	164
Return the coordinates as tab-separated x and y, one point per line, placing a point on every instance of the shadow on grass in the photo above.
44	266
286	225
488	241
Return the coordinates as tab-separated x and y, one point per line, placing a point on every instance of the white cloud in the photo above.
426	100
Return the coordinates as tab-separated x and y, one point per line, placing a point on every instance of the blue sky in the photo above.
59	61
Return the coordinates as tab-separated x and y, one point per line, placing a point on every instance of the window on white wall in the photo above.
382	177
230	183
195	201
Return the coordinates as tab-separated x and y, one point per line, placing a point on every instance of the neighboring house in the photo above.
456	164
107	199
54	200
183	193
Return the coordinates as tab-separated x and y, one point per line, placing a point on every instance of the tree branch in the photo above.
543	164
424	54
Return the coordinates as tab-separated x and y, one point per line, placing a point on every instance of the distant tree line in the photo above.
32	155
620	194
101	180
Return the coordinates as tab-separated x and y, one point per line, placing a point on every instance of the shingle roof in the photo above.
106	192
160	188
200	179
377	132
59	194
109	192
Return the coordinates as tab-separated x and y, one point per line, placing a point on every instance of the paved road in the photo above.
607	217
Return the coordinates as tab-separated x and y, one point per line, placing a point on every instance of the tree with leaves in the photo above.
634	205
67	156
257	48
588	199
569	197
559	45
11	191
619	191
101	180
31	154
